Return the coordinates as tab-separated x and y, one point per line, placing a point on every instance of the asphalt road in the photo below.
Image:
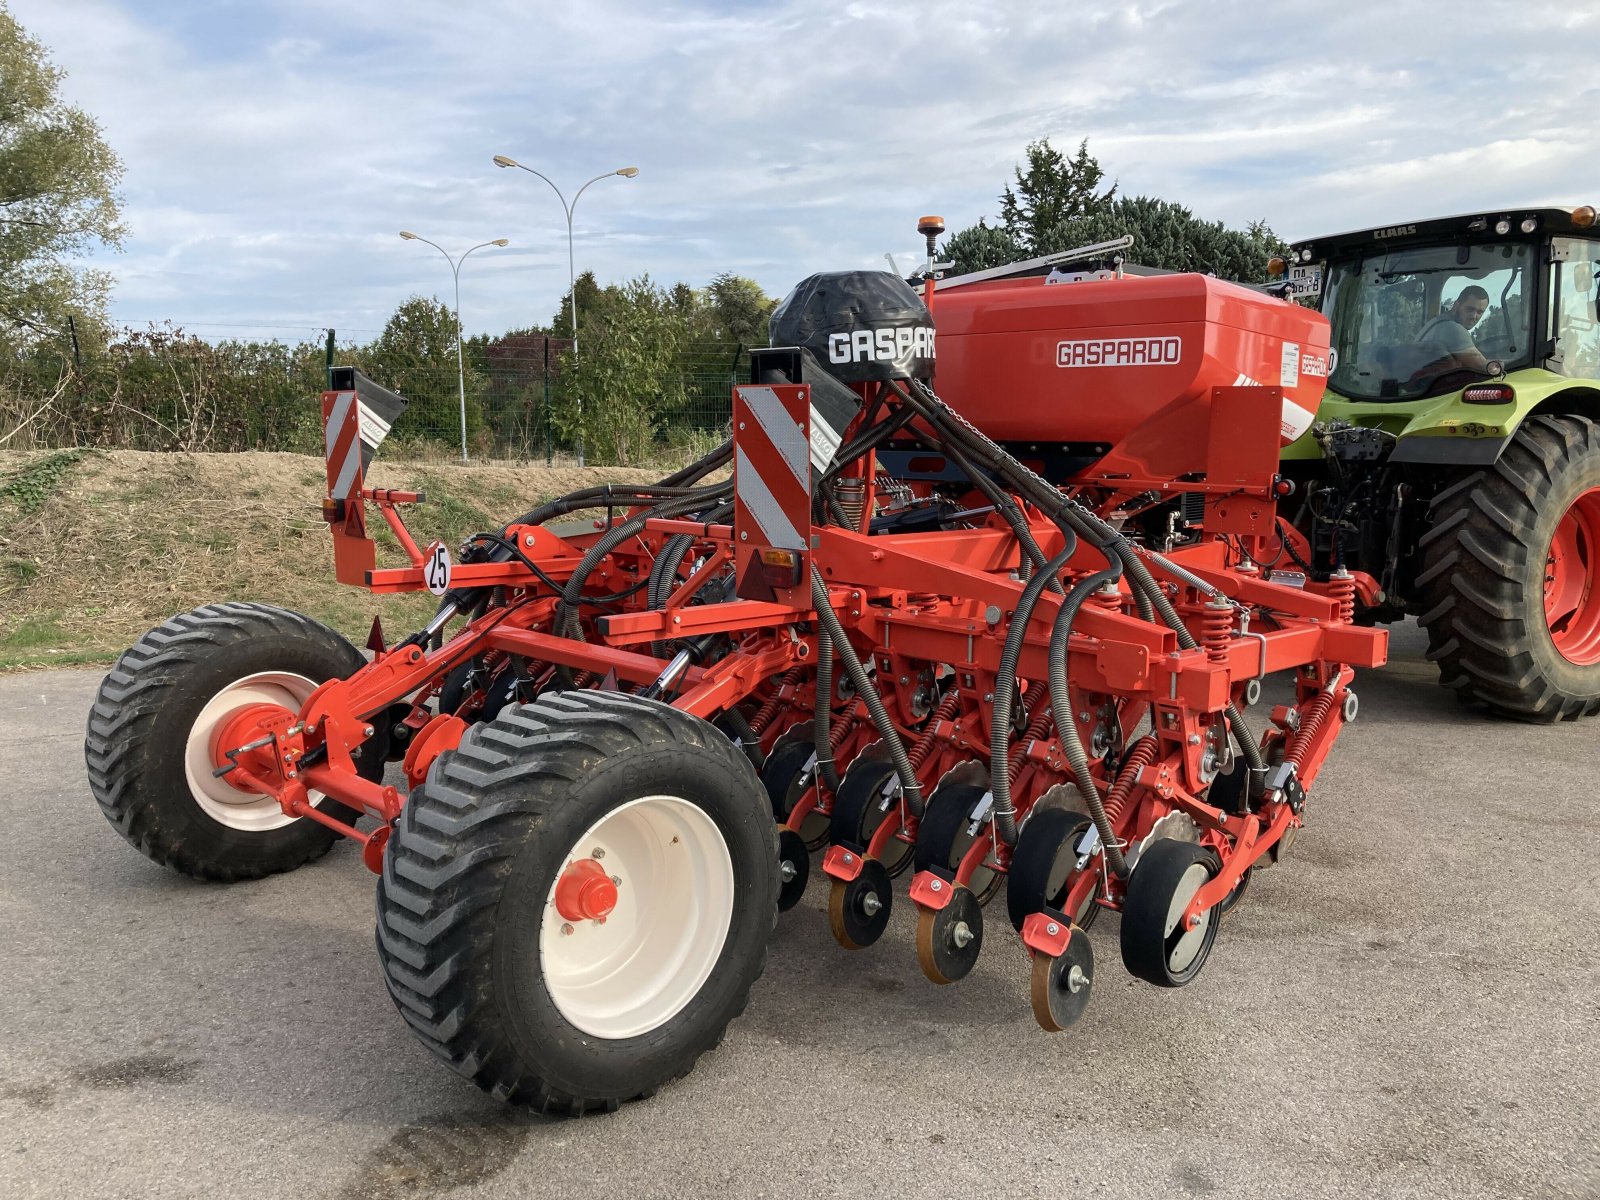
1408	1006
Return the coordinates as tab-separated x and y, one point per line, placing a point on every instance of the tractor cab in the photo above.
1425	309
1455	457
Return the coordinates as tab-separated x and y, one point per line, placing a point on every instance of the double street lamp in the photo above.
501	160
455	270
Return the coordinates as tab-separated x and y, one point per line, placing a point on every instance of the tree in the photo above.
738	309
627	373
57	195
1058	205
416	356
1054	189
1170	237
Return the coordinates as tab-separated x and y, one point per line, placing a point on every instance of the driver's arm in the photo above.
1471	358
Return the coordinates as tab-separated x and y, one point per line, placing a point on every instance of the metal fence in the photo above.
187	395
512	414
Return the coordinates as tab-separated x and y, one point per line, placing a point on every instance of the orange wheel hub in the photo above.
585	892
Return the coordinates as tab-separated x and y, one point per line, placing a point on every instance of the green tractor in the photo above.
1456	456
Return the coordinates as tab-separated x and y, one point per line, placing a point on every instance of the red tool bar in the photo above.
621	629
586	656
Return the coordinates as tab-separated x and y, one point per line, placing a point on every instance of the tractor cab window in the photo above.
1408	322
1575	308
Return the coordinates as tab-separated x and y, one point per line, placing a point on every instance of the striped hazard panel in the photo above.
355	420
771	487
356	417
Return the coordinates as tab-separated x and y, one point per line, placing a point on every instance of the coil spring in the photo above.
1216	630
1107	597
1140	757
763	718
946	710
1342	587
840	729
1311	718
852	497
1039	724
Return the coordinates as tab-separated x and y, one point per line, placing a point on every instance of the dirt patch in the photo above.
97	550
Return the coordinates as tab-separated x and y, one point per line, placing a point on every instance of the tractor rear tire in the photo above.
573	1011
1498	543
147	745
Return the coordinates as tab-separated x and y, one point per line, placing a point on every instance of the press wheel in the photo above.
1155	946
1060	990
858	911
794	868
949	940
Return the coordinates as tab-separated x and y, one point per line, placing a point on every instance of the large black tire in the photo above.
465	911
147	707
1483	573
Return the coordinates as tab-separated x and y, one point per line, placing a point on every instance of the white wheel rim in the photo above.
636	969
250	812
1187	948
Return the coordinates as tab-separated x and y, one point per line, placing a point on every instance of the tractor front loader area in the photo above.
645	720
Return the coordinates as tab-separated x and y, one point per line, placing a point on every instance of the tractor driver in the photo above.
1448	333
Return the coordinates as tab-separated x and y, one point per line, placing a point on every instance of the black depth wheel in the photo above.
576	902
1163	882
794	868
949	941
859	812
1043	864
1060	990
1231	900
148	741
943	838
858	911
781	777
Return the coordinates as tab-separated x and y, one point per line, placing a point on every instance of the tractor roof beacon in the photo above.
1457	452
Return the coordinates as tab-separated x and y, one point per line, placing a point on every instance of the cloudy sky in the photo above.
275	147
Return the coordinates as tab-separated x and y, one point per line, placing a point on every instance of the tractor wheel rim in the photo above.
1571	597
637	968
250	812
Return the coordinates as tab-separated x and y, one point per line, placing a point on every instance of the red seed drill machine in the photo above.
1002	637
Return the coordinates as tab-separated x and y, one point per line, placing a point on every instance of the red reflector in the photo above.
333	511
780	568
1489	393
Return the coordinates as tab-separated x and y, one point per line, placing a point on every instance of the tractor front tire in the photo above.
1510	597
578	899
148	741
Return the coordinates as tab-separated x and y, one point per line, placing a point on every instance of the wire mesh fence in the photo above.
531	404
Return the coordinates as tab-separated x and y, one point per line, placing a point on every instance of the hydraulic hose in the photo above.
1005	815
828	620
700	468
1061	705
1052	500
822	724
566	620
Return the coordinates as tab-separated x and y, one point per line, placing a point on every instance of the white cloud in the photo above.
274	150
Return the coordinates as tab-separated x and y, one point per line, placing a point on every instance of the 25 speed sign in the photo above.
436	568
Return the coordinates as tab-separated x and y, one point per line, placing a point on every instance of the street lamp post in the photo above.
501	160
455	270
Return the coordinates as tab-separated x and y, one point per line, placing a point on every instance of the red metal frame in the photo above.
919	607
